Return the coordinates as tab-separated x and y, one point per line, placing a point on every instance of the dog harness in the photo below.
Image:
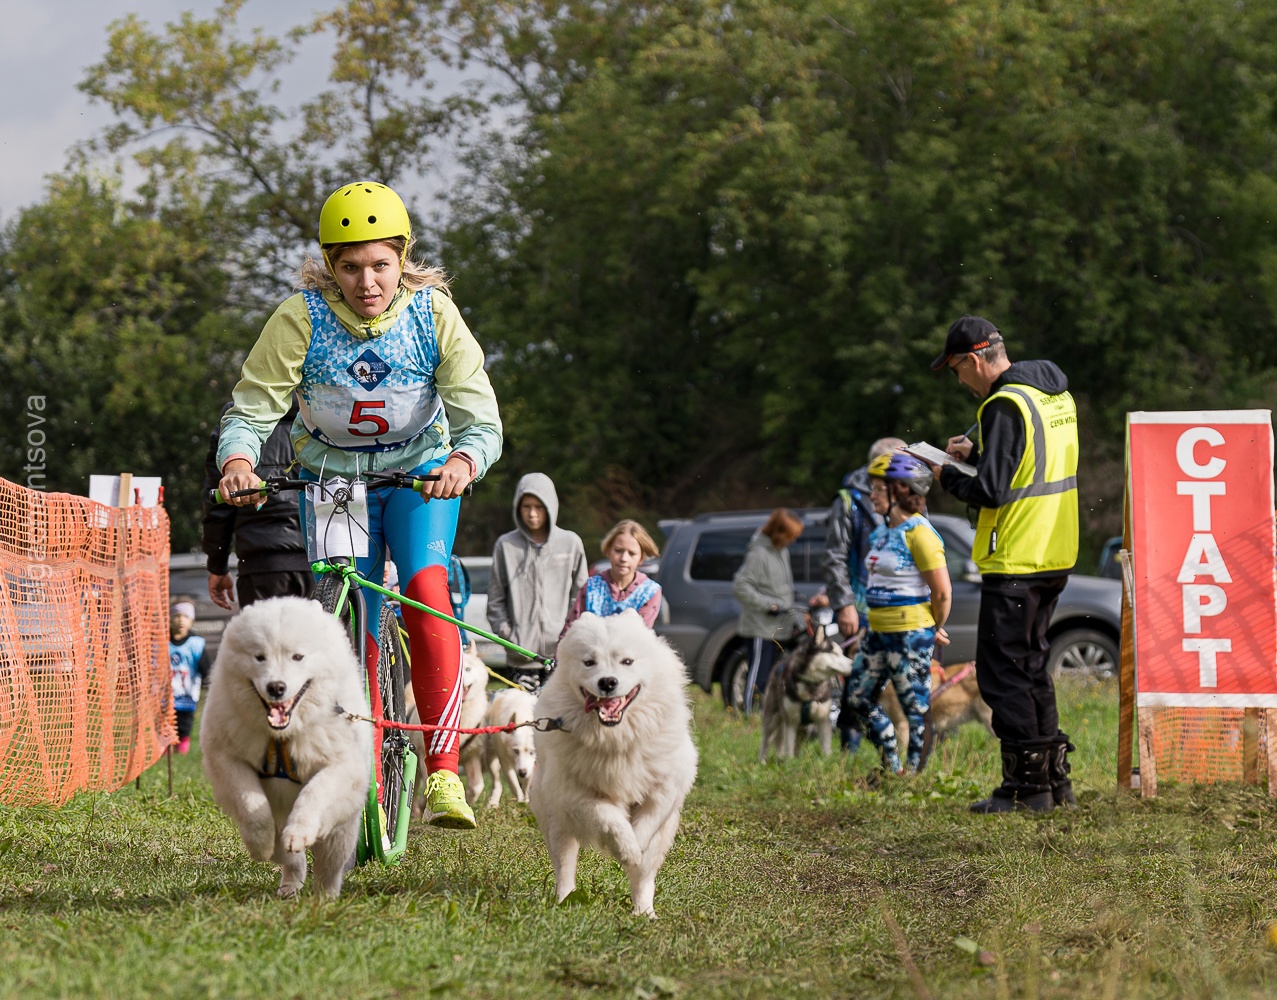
278	763
814	693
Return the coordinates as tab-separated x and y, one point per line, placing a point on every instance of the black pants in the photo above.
1011	654
259	586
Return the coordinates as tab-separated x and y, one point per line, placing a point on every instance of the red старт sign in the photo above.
1201	492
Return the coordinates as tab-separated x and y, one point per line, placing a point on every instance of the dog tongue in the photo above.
278	716
610	708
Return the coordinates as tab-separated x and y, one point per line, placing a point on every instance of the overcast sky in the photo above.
44	50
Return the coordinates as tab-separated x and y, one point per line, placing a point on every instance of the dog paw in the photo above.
260	844
629	855
288	890
297	838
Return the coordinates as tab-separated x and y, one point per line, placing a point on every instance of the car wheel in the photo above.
733	679
1083	652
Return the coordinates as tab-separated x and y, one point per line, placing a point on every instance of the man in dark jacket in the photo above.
267	541
1025	486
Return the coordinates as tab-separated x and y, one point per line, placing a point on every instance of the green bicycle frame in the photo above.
373	843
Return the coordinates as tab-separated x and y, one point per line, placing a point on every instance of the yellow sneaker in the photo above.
446	803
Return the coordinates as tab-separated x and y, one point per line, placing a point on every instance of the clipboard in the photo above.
934	456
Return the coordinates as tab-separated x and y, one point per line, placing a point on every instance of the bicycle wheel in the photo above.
392	667
327	591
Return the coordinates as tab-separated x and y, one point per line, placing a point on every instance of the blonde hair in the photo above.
315	275
636	531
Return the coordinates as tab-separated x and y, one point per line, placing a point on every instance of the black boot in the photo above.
1026	779
1061	785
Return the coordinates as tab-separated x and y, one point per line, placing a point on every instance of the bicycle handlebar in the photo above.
273	485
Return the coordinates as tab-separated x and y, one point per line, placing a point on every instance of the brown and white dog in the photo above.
799	694
955	700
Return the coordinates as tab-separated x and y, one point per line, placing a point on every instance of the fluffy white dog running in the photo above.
290	771
616	776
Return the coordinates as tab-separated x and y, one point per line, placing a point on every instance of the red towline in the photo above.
543	725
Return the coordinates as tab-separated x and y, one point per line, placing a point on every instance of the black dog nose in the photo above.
607	684
276	689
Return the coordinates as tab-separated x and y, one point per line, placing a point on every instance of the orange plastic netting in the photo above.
86	698
1205	745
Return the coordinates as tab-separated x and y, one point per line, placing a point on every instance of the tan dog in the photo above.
474	703
955	700
799	695
512	755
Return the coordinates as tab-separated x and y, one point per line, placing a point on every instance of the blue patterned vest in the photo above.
375	394
599	599
184	660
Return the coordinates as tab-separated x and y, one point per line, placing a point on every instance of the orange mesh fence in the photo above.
86	700
1203	745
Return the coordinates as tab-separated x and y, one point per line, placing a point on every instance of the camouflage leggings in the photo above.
904	658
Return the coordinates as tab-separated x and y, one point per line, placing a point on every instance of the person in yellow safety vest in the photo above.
1025	487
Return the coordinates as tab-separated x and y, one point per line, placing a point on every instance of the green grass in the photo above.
786	880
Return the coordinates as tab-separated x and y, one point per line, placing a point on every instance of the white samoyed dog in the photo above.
285	766
511	755
616	775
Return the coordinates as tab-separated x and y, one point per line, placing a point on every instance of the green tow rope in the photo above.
352	574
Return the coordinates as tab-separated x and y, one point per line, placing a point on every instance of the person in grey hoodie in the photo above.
764	586
536	571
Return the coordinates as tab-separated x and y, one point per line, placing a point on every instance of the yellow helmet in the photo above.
363	211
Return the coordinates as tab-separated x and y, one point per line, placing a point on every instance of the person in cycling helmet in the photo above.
909	595
388	376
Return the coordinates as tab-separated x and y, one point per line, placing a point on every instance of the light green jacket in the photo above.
764	579
272	371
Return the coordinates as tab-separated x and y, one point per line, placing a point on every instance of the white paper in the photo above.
106	491
934	456
331	532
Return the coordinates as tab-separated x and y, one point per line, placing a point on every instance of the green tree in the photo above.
711	247
124	321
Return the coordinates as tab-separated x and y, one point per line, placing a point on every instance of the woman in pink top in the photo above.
621	585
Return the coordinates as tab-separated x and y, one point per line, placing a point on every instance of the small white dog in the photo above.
290	771
474	702
800	694
616	775
512	755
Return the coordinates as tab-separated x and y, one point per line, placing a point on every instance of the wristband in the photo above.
474	466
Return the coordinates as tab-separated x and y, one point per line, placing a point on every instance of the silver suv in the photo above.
699	615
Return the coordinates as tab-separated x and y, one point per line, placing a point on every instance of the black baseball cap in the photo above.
967	334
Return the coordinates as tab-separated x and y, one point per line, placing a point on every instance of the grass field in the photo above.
793	879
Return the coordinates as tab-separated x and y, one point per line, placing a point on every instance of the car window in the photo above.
718	554
807	557
479	578
957	549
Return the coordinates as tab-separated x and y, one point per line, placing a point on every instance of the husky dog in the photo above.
799	695
474	702
511	756
615	776
955	700
284	765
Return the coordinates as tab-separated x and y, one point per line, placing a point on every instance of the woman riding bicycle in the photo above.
389	376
